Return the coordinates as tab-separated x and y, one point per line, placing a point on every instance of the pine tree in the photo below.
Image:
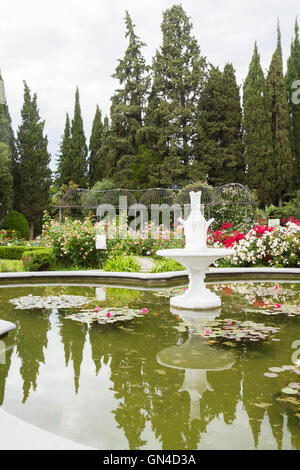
6	180
257	133
94	147
64	167
178	77
128	104
78	148
292	84
280	126
220	144
34	161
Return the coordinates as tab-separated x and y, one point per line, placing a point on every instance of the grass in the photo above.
11	265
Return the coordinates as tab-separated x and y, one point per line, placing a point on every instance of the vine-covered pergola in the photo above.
220	202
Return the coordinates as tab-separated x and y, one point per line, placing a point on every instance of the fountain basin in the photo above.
197	296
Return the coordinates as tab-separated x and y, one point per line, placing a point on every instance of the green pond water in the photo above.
144	377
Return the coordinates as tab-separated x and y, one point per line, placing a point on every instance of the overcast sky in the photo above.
59	44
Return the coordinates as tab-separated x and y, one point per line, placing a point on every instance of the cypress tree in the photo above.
280	126
6	180
34	161
7	137
102	155
292	84
128	104
94	147
257	133
220	141
178	77
64	167
78	148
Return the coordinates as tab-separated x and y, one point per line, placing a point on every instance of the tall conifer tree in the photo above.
78	148
6	180
220	141
94	147
178	77
7	137
257	133
64	167
292	85
128	104
280	126
34	161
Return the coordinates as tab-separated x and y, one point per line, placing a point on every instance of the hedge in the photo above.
16	252
17	221
38	260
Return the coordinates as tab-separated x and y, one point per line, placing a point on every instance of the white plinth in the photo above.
197	296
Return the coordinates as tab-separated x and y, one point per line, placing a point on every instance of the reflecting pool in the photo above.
115	368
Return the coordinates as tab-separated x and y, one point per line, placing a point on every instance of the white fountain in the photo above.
196	257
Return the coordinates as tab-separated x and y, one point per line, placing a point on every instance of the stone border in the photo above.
150	279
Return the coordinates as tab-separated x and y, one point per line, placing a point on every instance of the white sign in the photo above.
100	242
273	222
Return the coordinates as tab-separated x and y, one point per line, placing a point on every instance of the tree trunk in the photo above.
31	230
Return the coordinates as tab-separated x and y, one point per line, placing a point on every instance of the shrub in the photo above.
15	251
38	260
165	265
16	221
122	264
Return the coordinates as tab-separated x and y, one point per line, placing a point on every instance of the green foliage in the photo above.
38	260
11	266
64	170
15	252
127	106
292	76
288	209
34	161
78	148
220	144
257	133
282	157
122	263
6	180
165	265
18	222
171	128
95	164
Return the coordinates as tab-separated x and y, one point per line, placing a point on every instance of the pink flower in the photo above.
229	322
276	287
144	310
207	332
108	314
184	288
97	308
278	305
126	307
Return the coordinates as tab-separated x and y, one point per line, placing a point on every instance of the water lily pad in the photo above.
295	385
289	391
116	315
276	369
270	374
48	302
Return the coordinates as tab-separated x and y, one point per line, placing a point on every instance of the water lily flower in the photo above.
278	305
144	310
97	308
207	331
125	307
276	287
108	314
229	322
184	288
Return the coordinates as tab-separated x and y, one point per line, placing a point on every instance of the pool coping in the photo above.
153	279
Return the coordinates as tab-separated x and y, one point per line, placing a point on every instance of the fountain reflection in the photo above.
196	357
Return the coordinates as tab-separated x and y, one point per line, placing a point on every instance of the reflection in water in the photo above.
121	385
196	357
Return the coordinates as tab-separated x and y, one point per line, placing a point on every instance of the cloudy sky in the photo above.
59	44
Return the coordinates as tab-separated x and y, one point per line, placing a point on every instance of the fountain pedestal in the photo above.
196	257
197	296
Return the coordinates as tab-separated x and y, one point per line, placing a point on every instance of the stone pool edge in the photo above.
16	434
152	279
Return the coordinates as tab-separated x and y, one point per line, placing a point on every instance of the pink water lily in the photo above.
276	287
144	310
278	305
97	308
229	322
207	332
108	314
